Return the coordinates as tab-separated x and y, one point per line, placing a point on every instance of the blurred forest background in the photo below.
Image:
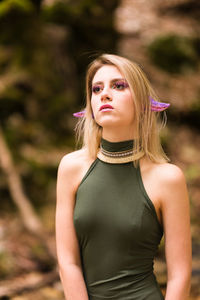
45	47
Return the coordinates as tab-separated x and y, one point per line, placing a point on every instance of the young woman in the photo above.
118	194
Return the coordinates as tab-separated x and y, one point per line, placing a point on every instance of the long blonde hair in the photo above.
147	127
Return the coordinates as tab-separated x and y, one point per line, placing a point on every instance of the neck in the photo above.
117	135
116	152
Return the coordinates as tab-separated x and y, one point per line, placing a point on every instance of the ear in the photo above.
158	106
79	114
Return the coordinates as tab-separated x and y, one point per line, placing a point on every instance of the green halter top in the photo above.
117	229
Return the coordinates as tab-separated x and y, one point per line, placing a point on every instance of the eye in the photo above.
96	89
120	85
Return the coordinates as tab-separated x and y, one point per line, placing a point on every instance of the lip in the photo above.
106	106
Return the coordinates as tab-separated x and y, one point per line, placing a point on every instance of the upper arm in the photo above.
176	222
66	240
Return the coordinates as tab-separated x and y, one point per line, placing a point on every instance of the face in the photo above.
111	100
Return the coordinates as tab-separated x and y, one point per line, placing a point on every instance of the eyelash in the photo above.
119	85
95	87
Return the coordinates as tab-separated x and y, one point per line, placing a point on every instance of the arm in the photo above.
66	240
176	221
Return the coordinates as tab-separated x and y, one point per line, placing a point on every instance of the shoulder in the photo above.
73	166
72	160
163	172
169	173
172	184
166	179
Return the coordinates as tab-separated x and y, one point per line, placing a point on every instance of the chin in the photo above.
107	121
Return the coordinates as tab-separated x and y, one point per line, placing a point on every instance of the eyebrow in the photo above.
113	80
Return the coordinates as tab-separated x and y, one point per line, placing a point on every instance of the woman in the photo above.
118	194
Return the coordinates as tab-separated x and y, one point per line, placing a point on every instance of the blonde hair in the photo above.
146	127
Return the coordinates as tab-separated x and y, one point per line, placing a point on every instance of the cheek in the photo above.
130	114
93	107
129	105
92	104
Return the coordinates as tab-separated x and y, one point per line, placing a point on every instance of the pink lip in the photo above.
106	106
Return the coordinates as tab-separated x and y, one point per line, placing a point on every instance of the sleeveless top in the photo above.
118	230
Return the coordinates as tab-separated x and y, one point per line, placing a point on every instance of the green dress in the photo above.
118	231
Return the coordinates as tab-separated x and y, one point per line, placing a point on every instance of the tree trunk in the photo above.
29	218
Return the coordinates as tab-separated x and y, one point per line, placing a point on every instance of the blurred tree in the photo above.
173	53
189	8
45	47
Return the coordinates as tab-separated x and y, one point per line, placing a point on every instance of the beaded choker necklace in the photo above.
115	157
117	152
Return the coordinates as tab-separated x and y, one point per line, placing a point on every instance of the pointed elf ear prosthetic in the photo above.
158	106
79	114
155	106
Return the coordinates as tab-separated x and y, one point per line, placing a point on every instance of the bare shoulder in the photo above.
73	167
171	185
72	161
163	172
169	172
166	180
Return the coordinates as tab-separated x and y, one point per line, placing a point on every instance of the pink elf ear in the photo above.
79	114
158	106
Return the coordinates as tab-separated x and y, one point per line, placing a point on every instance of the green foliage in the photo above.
192	172
173	53
7	264
45	46
43	56
61	12
90	25
196	43
39	254
42	177
195	107
22	5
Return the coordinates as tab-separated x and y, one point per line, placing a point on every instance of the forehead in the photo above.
107	73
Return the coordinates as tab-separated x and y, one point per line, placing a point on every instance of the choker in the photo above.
118	152
116	157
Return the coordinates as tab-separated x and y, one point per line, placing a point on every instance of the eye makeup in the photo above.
117	83
120	85
96	88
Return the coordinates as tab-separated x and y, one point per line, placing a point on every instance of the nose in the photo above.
106	95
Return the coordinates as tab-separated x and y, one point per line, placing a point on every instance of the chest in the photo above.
110	202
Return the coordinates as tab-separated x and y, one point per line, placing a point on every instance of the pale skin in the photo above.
164	183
